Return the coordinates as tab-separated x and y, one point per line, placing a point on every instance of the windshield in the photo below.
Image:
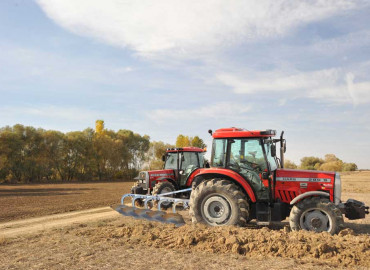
247	154
188	159
171	161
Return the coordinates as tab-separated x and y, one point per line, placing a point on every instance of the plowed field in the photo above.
23	201
101	239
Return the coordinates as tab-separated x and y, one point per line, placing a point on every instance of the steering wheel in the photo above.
253	165
234	163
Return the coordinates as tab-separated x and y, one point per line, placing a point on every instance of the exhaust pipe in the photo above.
282	149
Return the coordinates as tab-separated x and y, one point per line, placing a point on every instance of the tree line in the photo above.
329	163
29	155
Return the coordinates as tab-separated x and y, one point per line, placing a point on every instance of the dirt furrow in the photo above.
32	225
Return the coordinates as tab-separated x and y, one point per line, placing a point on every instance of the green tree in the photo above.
349	167
311	163
197	142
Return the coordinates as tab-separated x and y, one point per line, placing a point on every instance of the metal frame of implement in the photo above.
158	215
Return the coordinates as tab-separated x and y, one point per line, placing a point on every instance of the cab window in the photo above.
189	158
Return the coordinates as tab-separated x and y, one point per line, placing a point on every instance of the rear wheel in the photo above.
316	214
163	187
218	202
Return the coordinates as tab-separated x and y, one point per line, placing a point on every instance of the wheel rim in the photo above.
316	220
216	210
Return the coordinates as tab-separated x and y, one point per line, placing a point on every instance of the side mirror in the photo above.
164	158
182	158
284	147
273	150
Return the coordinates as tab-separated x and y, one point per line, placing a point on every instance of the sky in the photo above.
170	67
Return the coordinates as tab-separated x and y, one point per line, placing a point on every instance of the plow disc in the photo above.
154	215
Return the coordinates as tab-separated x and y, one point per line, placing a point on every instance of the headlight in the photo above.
144	177
337	189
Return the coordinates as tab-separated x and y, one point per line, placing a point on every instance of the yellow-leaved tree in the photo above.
99	126
182	141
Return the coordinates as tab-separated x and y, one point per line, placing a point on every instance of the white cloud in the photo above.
327	85
217	111
186	27
48	112
342	44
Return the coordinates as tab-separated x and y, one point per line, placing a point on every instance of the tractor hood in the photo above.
288	175
302	181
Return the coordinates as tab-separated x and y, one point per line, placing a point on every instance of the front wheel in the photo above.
161	188
137	189
218	202
316	214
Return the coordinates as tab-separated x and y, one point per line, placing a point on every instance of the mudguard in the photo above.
309	194
225	172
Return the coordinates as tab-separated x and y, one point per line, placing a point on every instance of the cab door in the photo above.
247	158
190	161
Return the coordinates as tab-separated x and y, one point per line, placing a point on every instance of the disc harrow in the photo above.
158	214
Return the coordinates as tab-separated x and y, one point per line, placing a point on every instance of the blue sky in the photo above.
167	67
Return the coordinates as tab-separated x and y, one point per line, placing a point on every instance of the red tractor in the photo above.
248	181
180	164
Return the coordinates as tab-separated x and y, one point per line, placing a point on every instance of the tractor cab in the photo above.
183	161
252	154
179	164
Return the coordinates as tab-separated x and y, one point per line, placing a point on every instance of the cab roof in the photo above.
242	133
185	149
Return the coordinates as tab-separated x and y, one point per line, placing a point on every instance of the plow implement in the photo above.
151	201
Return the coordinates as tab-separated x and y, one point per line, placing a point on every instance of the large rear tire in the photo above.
219	202
163	187
316	214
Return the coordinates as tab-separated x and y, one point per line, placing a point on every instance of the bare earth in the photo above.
100	238
23	201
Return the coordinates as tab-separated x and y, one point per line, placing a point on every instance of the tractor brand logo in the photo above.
161	174
296	179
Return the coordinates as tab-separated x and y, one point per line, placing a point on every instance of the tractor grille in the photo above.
286	195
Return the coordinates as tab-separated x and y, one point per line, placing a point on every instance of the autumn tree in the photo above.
182	141
331	163
289	164
185	141
99	126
